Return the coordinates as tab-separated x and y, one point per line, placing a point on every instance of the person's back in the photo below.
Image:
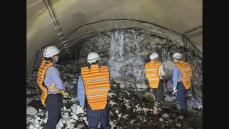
152	73
94	83
51	85
155	74
182	74
186	71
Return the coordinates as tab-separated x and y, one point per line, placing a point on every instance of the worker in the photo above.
50	82
92	91
182	74
155	75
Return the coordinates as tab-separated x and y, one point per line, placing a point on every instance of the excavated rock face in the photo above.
126	51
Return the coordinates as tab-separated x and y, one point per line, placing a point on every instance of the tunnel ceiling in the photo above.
178	15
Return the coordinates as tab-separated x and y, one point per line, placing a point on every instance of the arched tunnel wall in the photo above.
93	28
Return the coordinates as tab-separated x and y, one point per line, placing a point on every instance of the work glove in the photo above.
174	89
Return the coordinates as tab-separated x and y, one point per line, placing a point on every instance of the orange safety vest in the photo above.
186	71
152	73
40	79
97	84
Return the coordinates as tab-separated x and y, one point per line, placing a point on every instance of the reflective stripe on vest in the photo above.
40	79
186	71
152	73
97	84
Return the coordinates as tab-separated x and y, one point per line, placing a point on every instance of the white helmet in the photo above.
153	56
50	51
177	55
92	57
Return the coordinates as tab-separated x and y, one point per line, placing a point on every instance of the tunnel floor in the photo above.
129	109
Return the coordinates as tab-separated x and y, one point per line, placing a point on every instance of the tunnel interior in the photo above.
124	38
125	51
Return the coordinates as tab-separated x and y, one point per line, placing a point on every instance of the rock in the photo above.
111	94
195	103
85	118
80	126
198	92
157	40
170	121
31	127
37	120
155	112
66	115
165	115
122	85
31	111
161	120
79	110
64	108
181	117
125	116
141	85
169	98
36	125
28	100
60	124
28	92
75	117
149	96
132	121
45	119
178	125
74	107
189	94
